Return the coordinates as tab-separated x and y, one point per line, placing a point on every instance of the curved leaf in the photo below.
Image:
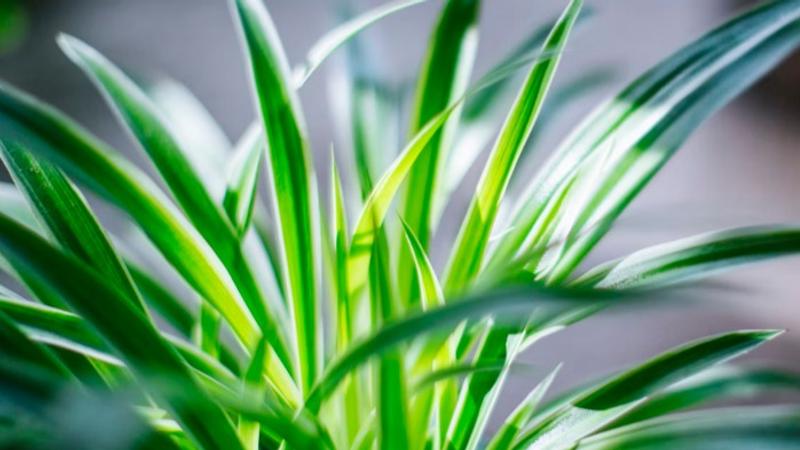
67	217
598	406
726	429
640	129
443	79
511	303
336	37
123	326
242	187
695	257
292	179
722	383
152	131
78	153
467	257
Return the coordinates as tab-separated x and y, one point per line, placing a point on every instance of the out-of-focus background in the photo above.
741	167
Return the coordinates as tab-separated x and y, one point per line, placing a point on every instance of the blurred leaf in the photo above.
517	420
338	36
125	328
598	406
13	24
695	257
509	303
726	429
240	194
67	217
14	344
721	383
208	148
78	153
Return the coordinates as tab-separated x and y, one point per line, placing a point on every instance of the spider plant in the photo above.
222	318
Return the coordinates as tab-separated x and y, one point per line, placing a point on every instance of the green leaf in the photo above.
695	257
123	326
511	303
152	131
67	217
721	383
392	395
253	387
483	111
370	109
431	290
150	128
62	329
598	406
629	139
479	393
240	194
511	428
13	204
163	301
345	311
88	160
443	79
338	36
380	199
721	429
194	128
78	153
14	344
467	257
292	178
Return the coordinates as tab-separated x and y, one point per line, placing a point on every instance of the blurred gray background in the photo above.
741	168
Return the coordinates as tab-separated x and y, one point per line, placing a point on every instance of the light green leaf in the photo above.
721	429
292	180
78	153
640	129
195	129
443	79
510	303
516	421
242	187
377	204
67	217
695	257
431	290
123	326
467	257
720	383
336	37
598	406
